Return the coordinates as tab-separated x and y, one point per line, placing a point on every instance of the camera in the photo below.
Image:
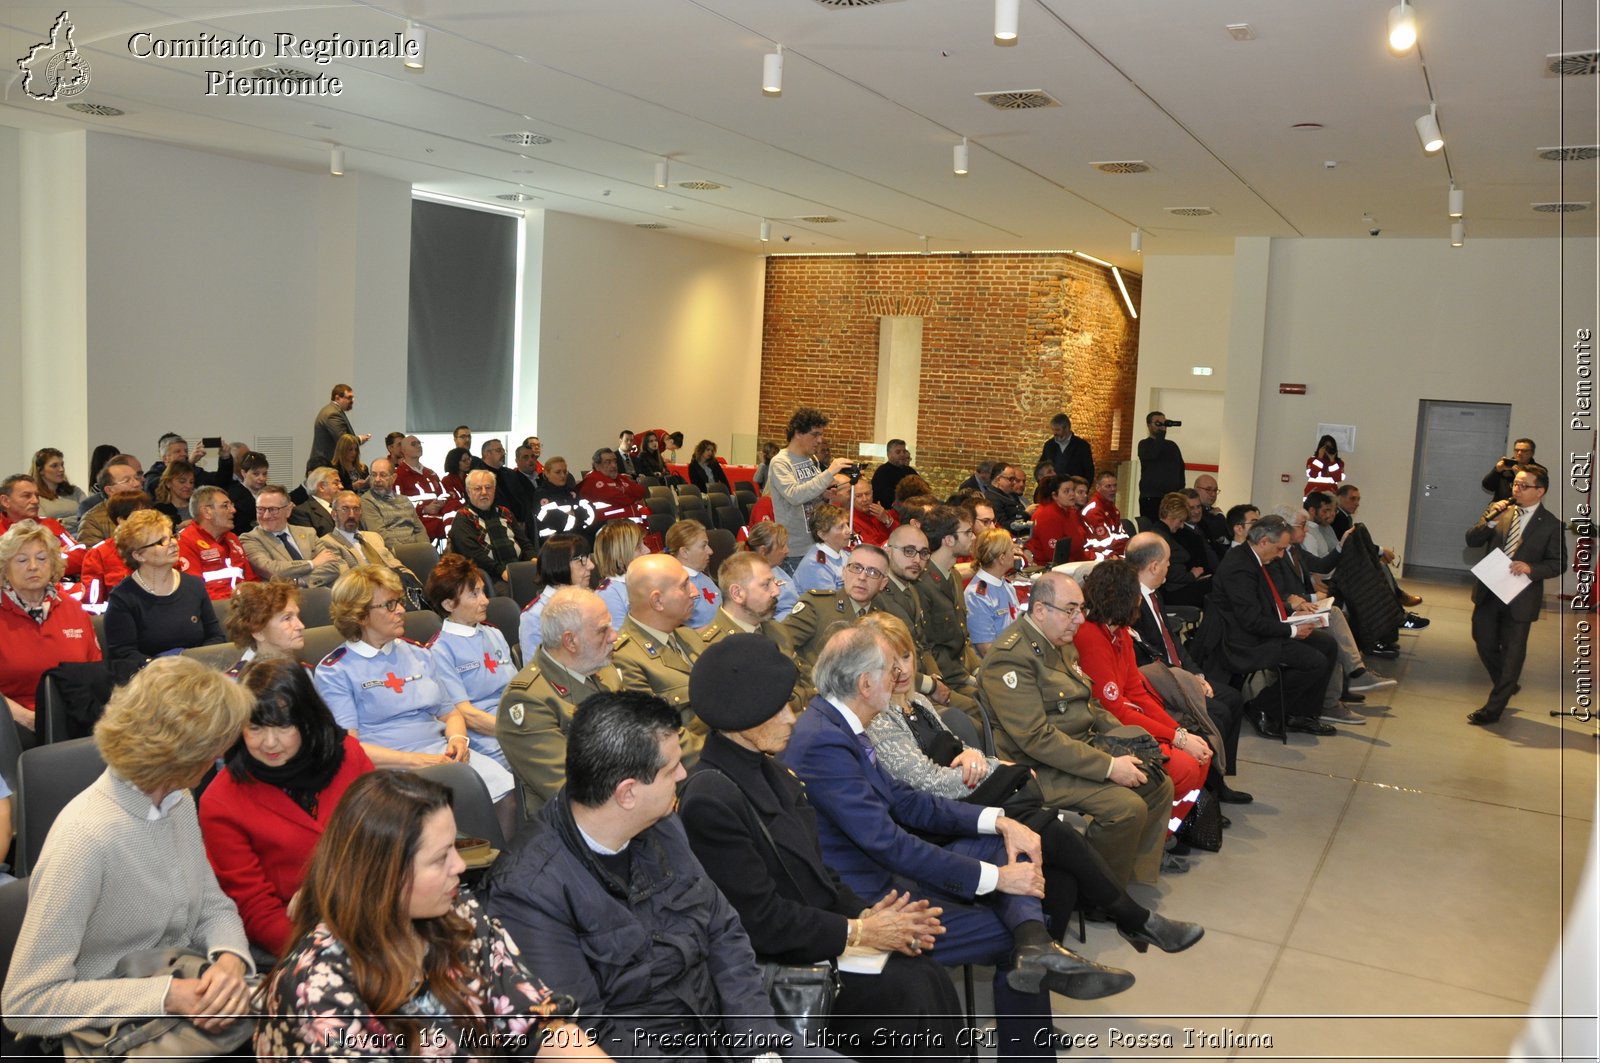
1174	424
854	471
1374	231
786	237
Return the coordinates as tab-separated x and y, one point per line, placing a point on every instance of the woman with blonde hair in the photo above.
615	546
384	689
123	881
769	541
58	499
347	461
391	959
157	609
39	626
174	490
991	600
687	541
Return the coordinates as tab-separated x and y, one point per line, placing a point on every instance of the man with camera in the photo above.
795	481
1160	465
1497	481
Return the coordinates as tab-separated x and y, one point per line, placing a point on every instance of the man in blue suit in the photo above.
987	878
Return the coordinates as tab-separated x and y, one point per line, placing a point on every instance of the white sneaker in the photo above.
1370	680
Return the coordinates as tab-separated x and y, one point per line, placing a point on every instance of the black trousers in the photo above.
1307	664
911	1007
1502	647
1074	870
1226	706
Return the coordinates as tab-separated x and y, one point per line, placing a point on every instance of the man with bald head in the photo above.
1045	716
388	512
908	559
655	650
1213	522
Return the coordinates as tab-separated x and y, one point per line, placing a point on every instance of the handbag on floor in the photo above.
1202	827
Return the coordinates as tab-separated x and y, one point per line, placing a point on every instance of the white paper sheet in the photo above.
858	959
1494	572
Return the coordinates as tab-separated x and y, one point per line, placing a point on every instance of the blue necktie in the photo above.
288	544
866	744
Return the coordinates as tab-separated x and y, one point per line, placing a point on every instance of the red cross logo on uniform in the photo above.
490	663
395	683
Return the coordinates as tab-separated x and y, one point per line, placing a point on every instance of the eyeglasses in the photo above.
586	559
855	568
909	552
393	605
1517	485
1068	611
269	509
165	540
984	522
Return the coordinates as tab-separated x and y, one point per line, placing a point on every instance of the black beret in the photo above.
741	682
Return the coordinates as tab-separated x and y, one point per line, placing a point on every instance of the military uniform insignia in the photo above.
1077	669
516	713
799	607
709	635
983	589
559	689
1010	679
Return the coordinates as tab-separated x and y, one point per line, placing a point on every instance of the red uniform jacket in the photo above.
423	488
102	570
1107	536
1051	523
620	497
221	563
29	650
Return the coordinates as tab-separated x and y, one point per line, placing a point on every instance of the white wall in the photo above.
1186	325
1372	327
227	297
641	329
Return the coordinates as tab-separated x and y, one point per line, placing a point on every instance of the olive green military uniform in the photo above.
812	620
945	616
532	722
722	625
904	600
1043	715
648	665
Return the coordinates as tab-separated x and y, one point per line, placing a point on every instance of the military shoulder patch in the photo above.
517	713
336	656
710	633
798	608
622	640
525	679
818	592
1010	640
1010	679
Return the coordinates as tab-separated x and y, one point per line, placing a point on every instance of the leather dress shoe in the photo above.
1310	725
1229	796
1384	649
1352	697
1168	935
1266	726
1410	601
1052	967
1225	821
1482	717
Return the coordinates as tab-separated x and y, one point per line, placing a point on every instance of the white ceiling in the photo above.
874	99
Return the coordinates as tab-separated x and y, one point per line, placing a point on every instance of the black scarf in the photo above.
300	777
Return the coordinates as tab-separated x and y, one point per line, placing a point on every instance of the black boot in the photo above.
1040	963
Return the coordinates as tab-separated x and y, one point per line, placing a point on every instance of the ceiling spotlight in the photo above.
1137	242
1428	130
772	72
661	174
961	158
336	161
1458	204
766	230
414	46
1458	234
1402	28
1005	19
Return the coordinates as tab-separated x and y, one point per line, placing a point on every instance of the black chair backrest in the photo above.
49	714
959	722
47	778
505	614
13	910
221	657
658	523
688	489
316	604
650	481
525	584
422	625
723	544
660	500
728	518
419	558
716	487
693	508
320	641
474	811
10	750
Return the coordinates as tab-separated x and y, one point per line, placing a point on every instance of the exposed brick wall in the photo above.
1008	340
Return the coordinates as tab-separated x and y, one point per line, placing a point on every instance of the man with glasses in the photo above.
1045	717
277	549
1005	494
614	494
208	548
356	546
908	559
121	474
389	513
817	613
1160	466
1532	537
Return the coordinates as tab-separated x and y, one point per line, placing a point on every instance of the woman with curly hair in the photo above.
264	621
390	960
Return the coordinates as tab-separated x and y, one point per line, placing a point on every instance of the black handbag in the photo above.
1129	740
802	996
1202	827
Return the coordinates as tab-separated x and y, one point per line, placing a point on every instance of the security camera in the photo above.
785	237
1372	226
1374	231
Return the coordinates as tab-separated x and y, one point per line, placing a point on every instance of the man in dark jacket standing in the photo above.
1068	454
608	903
1160	465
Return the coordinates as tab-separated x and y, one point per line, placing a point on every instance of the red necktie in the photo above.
1273	587
1166	636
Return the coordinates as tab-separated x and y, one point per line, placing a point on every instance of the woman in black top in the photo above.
157	609
704	466
648	461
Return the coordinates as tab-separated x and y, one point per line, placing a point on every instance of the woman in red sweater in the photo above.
39	626
1059	519
1105	651
262	817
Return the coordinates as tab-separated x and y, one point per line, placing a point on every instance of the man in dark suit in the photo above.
1532	536
1254	635
1069	454
333	421
316	512
987	878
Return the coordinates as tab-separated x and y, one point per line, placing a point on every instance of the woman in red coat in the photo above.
1058	519
1325	469
39	626
1105	651
262	817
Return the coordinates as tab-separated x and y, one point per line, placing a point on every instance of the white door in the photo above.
1457	442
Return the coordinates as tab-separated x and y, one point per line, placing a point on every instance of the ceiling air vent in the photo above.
1129	166
1573	153
850	3
652	225
514	197
99	110
1572	64
1018	99
524	139
1190	212
818	219
278	73
699	186
1560	208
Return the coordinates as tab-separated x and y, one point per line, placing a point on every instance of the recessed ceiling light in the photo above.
99	110
849	3
1190	212
1570	207
700	186
1018	99
652	225
514	197
525	139
1122	167
817	219
1575	153
1240	31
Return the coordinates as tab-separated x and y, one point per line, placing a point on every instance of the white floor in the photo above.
1394	892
